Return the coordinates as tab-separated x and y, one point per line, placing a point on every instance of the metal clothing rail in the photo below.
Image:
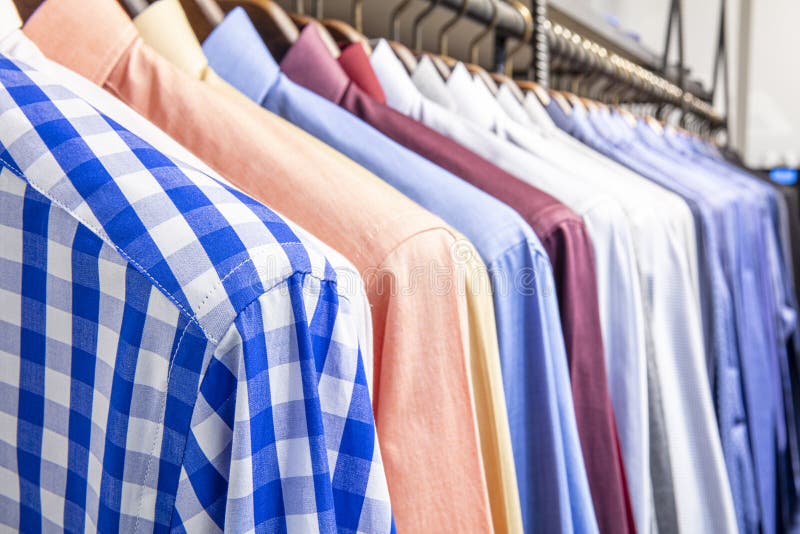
568	29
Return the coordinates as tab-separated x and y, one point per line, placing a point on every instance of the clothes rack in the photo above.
561	27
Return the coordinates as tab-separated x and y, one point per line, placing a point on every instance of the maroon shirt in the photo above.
561	231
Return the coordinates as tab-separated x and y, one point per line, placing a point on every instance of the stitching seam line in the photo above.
102	235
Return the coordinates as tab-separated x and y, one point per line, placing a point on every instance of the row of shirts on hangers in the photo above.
321	293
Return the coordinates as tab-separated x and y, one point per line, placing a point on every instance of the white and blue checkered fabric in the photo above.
172	356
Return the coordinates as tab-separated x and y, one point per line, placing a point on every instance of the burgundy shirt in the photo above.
561	231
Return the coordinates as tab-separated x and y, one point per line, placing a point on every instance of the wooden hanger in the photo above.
502	79
406	56
589	104
441	60
442	65
536	89
25	8
416	25
562	102
527	17
654	125
450	63
577	101
410	59
301	21
483	75
275	27
203	15
505	78
629	117
343	32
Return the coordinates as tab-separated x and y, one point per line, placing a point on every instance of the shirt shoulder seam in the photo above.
409	238
192	317
565	218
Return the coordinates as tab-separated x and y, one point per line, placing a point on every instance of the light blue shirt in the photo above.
743	381
759	277
740	226
782	279
724	368
551	475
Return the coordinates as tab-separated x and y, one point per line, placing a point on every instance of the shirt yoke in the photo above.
209	248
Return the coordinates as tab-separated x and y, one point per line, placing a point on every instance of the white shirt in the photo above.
674	210
620	293
666	245
621	314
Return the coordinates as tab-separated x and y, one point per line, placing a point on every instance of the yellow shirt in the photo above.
165	28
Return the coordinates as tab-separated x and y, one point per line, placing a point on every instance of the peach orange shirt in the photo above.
423	399
165	28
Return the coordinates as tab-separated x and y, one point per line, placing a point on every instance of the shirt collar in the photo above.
511	106
464	90
536	111
621	126
580	112
310	64
9	18
165	28
601	123
645	133
480	88
356	63
89	35
400	92
515	111
559	117
428	80
236	52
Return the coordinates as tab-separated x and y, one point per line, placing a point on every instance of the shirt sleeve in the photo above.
570	251
487	385
623	323
423	401
282	435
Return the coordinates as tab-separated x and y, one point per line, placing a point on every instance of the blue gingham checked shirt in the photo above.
172	356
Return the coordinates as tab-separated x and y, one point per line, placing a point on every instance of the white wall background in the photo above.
773	87
765	97
648	19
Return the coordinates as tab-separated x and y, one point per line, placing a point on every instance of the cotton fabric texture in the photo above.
413	401
184	322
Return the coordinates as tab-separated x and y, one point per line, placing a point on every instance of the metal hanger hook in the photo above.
358	15
527	17
416	26
444	30
473	45
394	18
